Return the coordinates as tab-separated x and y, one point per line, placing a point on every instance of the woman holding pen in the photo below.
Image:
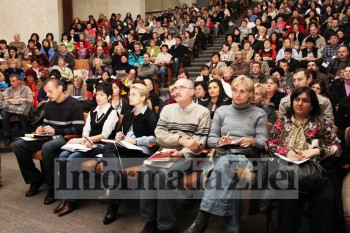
138	128
100	123
304	134
238	132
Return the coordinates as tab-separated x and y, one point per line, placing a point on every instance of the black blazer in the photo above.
178	51
337	92
143	124
293	64
276	99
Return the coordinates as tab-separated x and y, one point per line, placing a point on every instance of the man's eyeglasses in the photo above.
180	88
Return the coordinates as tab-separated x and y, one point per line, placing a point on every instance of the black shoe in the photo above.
111	214
150	227
34	188
194	228
8	141
49	198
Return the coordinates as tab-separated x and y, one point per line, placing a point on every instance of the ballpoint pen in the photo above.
294	150
91	143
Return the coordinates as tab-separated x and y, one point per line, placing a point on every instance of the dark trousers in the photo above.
6	124
321	211
50	150
128	158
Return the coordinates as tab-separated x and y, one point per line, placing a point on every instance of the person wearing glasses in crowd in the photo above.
182	127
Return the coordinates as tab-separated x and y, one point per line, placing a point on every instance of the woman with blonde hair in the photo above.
117	55
138	128
259	100
78	89
238	132
96	72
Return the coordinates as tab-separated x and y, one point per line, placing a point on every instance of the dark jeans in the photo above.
50	150
160	205
321	211
6	124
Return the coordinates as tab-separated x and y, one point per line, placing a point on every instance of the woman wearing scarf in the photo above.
313	138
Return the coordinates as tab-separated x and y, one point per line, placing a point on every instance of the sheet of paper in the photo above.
29	139
158	164
123	144
292	161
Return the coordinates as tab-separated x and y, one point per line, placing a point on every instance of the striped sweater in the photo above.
175	123
66	117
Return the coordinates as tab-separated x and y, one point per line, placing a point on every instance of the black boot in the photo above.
200	223
111	215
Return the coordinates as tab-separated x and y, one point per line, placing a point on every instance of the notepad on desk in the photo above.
124	144
289	160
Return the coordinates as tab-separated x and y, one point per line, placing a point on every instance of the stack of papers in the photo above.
76	147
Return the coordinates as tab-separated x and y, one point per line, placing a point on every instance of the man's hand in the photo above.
191	144
48	130
39	130
177	154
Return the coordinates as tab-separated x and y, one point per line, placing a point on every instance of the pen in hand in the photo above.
225	137
292	148
91	143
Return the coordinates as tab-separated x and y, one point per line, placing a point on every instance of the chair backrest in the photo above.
119	123
81	64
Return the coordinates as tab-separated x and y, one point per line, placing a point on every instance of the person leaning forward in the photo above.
63	116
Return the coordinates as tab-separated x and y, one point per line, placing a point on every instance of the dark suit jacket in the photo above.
337	92
276	99
179	51
293	64
143	124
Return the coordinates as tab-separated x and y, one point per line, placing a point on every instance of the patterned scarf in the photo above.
296	137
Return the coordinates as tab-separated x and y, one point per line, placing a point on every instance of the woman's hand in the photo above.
120	136
303	154
306	154
294	156
224	140
88	144
130	140
245	142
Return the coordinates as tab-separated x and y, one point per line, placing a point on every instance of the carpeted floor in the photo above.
21	214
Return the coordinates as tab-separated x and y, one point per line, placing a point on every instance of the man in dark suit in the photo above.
257	45
293	63
178	52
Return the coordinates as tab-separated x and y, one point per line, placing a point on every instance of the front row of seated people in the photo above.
186	128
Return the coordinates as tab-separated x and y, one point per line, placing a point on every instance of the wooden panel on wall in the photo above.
67	8
160	5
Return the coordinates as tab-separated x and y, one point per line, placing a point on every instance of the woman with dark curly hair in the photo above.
313	138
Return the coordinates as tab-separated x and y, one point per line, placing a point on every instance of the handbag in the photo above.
311	176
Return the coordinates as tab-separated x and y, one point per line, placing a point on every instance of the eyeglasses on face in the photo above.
180	88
